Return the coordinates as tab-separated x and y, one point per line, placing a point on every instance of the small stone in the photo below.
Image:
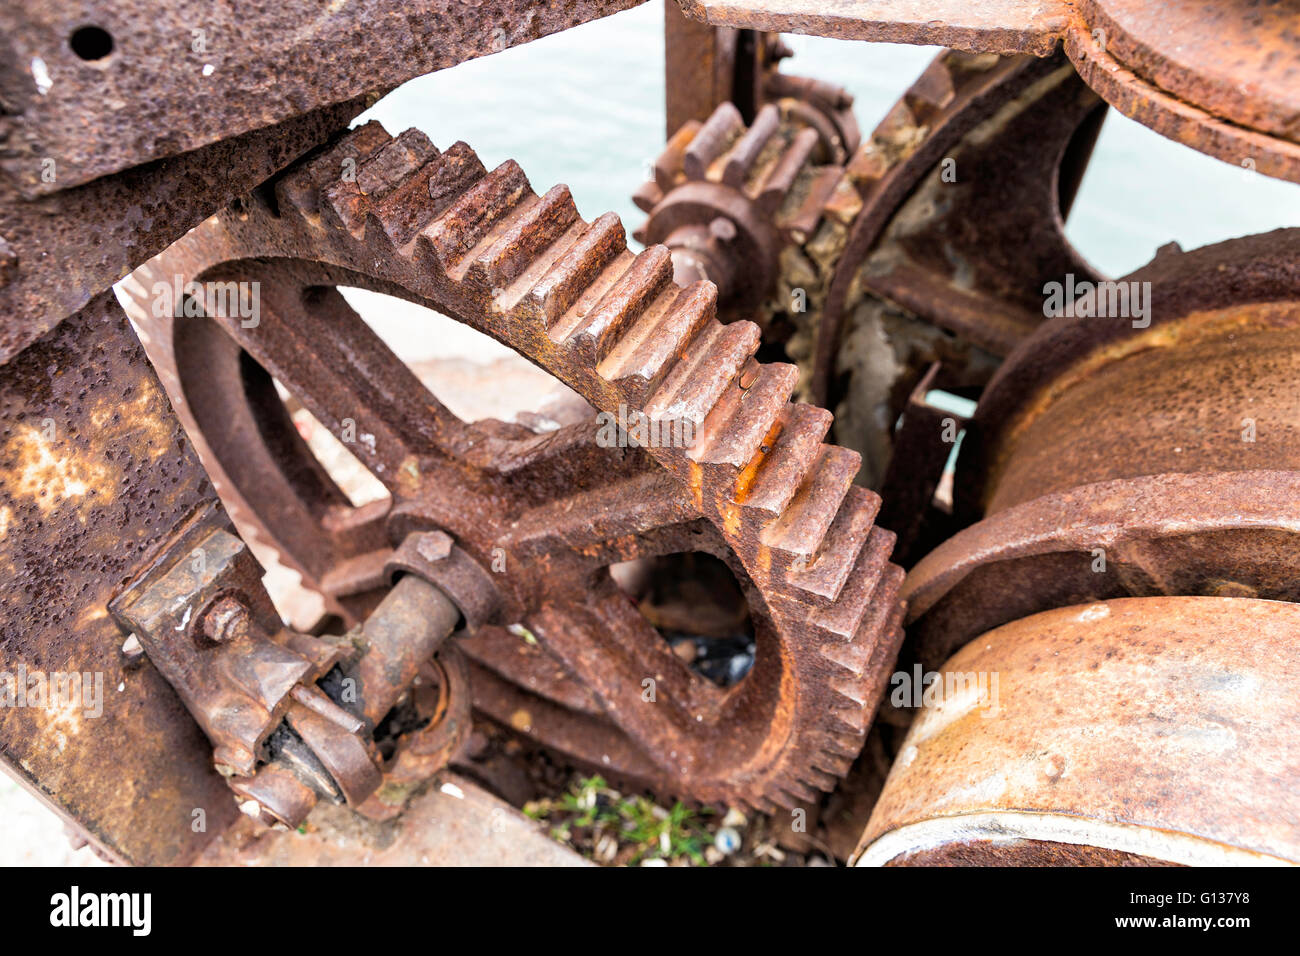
727	840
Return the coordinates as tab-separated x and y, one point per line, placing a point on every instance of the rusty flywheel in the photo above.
757	488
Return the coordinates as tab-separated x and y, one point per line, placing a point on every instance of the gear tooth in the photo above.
354	200
832	764
744	153
627	300
425	193
848	720
781	473
303	186
577	268
825	575
395	161
802	526
645	356
841	748
519	241
464	223
793	794
852	691
805	205
818	781
647	196
782	175
719	131
691	390
869	600
736	429
852	656
668	166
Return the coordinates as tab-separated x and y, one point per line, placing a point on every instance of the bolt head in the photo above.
225	620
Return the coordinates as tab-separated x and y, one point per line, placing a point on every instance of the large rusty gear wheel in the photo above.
758	488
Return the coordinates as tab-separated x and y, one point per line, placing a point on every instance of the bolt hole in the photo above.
91	43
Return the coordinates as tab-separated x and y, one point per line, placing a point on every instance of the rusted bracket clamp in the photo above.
208	626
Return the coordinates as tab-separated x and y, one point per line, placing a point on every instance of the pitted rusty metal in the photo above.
1156	730
1180	464
59	251
96	474
185	74
757	487
983	26
1217	76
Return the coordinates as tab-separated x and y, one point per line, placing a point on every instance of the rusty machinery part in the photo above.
728	200
758	487
1170	452
106	86
1131	732
1219	77
98	118
59	251
291	717
964	188
96	472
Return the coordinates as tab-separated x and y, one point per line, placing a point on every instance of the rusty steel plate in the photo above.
1221	76
1217	76
164	79
1146	730
992	26
59	251
95	472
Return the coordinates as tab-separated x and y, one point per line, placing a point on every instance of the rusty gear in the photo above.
727	200
438	229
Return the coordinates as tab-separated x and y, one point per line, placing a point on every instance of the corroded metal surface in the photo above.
186	73
756	486
1233	298
96	473
1219	77
1140	730
965	186
996	26
1109	460
61	250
